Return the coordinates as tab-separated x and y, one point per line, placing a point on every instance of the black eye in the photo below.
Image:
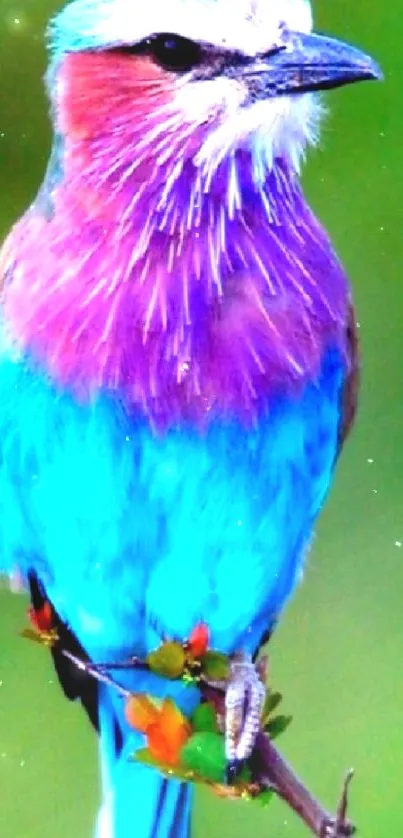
173	52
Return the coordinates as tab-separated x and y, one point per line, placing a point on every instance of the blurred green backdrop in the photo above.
338	653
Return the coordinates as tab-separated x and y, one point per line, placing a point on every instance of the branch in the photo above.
274	772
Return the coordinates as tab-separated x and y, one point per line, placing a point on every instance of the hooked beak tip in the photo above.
373	70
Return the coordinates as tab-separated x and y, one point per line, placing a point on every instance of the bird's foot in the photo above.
244	700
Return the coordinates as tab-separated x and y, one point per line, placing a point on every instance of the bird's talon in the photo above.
233	769
244	699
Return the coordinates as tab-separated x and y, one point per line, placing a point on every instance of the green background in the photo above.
338	653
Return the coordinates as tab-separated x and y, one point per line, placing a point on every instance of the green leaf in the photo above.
215	666
272	701
264	797
204	753
167	661
205	718
277	726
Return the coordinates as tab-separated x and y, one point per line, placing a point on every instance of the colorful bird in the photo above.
178	361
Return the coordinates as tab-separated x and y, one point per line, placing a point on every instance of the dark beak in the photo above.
310	62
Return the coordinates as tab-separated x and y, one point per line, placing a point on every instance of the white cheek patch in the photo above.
278	127
202	100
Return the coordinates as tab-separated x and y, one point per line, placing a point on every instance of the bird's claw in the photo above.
244	699
233	770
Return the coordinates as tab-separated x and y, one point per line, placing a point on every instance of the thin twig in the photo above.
95	672
132	663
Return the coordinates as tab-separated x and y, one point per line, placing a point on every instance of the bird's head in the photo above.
154	91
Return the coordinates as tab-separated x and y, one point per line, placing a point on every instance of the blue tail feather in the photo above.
144	804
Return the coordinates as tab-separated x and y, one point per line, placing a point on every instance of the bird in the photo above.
178	351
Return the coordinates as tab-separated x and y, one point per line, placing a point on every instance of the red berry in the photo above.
199	640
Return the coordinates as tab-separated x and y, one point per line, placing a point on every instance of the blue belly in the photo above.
136	536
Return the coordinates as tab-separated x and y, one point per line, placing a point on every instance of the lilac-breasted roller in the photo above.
178	355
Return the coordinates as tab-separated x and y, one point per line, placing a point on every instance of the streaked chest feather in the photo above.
189	314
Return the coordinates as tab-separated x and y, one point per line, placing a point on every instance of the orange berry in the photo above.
141	712
159	745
